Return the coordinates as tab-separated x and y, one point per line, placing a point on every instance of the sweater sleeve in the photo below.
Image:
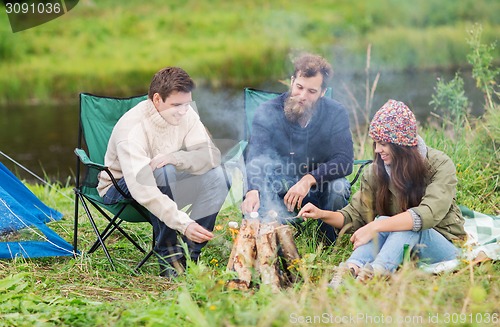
260	155
198	154
340	148
142	186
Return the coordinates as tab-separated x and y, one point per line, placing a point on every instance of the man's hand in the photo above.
363	235
161	160
251	202
196	233
296	194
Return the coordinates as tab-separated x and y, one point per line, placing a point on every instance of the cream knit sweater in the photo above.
139	136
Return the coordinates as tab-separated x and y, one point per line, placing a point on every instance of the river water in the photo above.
42	137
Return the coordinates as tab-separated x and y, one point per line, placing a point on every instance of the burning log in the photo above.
244	252
267	255
259	248
288	248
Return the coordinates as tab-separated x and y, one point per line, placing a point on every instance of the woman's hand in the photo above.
363	235
311	211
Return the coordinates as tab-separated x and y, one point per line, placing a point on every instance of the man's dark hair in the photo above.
308	65
168	80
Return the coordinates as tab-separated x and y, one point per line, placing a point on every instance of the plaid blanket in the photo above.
483	234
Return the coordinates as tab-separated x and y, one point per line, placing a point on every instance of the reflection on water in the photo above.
42	137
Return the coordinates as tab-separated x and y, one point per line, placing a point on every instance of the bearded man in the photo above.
300	149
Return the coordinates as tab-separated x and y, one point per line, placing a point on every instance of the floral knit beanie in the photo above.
394	123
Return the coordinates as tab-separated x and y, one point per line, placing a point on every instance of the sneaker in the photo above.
441	267
369	272
365	273
340	271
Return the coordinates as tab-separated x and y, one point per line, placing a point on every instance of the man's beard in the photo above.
296	112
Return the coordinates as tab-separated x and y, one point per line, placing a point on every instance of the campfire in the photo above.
263	249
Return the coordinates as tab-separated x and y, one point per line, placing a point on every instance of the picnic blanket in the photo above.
483	242
483	235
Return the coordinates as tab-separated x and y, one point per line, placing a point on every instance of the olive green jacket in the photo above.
438	208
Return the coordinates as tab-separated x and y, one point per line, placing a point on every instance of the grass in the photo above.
226	43
85	291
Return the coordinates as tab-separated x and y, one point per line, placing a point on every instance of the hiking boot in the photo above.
172	269
169	272
340	271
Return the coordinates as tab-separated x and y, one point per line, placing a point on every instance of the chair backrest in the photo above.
254	98
98	116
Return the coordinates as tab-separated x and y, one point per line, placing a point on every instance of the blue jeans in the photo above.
386	251
206	194
332	195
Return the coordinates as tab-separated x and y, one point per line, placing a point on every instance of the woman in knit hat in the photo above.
406	196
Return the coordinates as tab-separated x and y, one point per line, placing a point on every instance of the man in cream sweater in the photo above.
163	157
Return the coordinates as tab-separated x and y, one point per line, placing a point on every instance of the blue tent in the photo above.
23	216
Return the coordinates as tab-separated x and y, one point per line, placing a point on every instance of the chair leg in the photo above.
105	233
96	231
146	258
143	261
75	223
116	226
228	183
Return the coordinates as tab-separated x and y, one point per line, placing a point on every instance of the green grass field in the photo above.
85	291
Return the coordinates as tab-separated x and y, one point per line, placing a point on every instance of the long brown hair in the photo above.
408	174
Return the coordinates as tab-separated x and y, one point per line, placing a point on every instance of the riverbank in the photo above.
101	47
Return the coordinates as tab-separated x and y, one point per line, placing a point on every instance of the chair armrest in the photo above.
84	158
362	163
234	154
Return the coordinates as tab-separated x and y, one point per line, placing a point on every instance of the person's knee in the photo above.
216	182
164	174
336	194
215	178
339	187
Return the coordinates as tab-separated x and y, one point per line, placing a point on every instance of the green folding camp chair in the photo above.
98	116
253	98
